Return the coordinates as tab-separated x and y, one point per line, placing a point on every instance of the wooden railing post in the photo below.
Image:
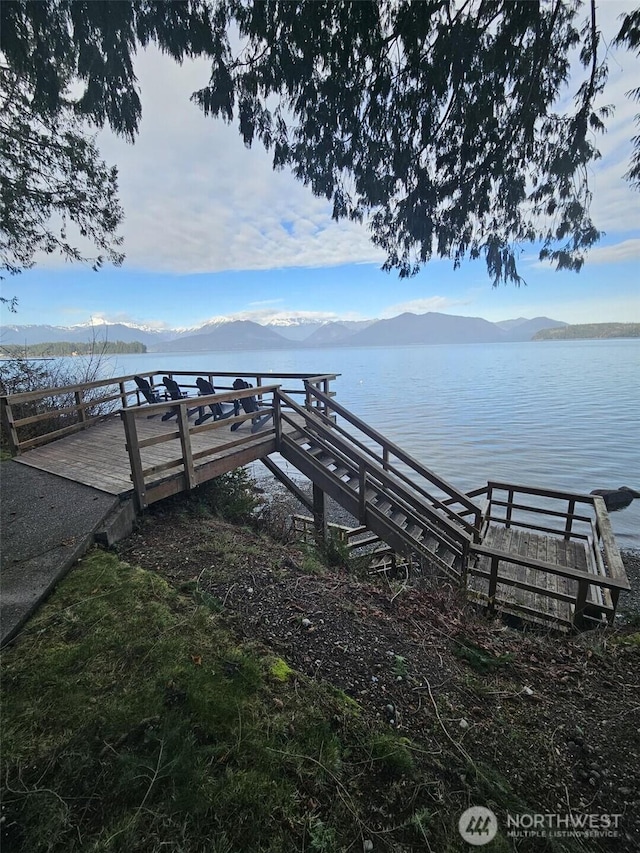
325	388
277	419
82	417
509	507
185	443
493	583
133	449
581	603
6	414
477	526
362	494
123	395
570	511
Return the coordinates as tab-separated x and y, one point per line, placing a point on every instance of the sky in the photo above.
211	231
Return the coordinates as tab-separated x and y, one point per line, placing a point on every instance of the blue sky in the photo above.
210	230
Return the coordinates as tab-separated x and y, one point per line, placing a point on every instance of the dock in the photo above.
539	555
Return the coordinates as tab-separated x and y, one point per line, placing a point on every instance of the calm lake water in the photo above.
559	414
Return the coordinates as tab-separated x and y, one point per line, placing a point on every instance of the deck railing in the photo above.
34	418
153	482
453	505
185	456
567	517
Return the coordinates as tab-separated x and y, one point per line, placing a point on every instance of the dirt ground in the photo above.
555	716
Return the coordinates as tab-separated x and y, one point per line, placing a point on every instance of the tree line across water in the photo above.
585	331
58	349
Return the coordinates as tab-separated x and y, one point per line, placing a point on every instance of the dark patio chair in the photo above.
219	411
175	393
251	406
150	394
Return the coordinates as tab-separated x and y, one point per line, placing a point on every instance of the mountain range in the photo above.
229	334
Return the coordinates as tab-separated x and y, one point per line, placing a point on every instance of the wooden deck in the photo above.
98	457
133	451
521	589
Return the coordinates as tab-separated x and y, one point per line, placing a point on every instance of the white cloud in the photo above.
197	201
628	250
617	253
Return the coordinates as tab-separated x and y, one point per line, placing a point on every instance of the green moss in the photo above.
130	714
627	639
391	752
280	670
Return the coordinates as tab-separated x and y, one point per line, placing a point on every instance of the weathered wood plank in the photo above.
100	458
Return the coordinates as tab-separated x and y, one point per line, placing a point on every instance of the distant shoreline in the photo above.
590	332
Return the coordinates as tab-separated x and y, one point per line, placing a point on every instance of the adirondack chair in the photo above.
150	395
219	411
251	406
175	393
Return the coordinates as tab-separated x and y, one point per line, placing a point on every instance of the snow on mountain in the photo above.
296	329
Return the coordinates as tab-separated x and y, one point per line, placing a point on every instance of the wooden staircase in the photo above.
401	512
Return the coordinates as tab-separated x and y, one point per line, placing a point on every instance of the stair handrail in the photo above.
389	473
406	458
445	530
389	479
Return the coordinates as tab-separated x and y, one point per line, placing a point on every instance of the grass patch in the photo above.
132	721
480	660
127	715
392	753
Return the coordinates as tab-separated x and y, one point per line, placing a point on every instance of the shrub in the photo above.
229	496
20	375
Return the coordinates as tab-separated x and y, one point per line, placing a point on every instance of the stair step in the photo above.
340	472
325	459
414	530
384	505
430	543
315	449
398	518
447	556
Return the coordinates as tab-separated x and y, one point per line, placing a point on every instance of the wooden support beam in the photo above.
288	482
319	514
133	449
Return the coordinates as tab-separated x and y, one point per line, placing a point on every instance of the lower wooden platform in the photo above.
524	591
